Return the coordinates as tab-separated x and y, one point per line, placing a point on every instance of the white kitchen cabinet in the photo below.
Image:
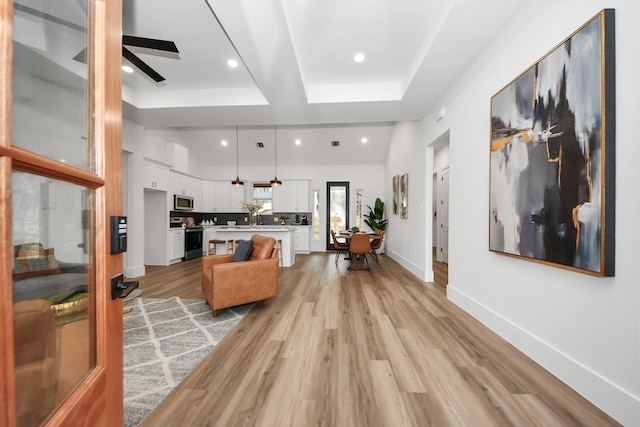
194	189
303	239
223	196
156	177
236	197
279	198
178	184
208	196
228	197
176	245
291	196
178	156
297	196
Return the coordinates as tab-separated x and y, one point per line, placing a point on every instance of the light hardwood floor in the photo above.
340	349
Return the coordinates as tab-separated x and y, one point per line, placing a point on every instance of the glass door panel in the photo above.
54	301
337	209
53	220
49	103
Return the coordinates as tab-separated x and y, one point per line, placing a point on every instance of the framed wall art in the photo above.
395	185
404	196
552	161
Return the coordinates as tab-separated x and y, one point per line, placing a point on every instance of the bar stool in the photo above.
228	244
279	246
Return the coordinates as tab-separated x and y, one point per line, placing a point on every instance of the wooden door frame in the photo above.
99	398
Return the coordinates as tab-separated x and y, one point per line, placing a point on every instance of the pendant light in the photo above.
236	182
275	182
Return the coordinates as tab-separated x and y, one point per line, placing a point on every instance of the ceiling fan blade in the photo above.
141	65
155	44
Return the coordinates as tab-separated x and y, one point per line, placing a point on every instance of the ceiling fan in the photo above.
153	44
131	41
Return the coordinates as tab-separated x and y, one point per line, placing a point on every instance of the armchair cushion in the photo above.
243	250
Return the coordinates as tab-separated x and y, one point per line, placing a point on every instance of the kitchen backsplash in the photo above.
221	218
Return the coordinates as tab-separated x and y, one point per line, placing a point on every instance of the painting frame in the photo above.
395	188
404	196
552	156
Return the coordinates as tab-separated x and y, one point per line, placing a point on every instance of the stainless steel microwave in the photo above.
182	203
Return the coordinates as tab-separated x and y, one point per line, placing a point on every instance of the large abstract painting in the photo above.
553	156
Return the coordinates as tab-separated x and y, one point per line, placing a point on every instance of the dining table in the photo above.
358	262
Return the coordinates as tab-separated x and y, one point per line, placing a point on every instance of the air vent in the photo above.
335	143
259	145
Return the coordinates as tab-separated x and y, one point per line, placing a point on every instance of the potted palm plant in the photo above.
375	218
376	221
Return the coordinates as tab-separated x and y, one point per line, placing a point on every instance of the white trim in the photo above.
613	400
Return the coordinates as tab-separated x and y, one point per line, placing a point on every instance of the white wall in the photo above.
133	149
584	329
409	154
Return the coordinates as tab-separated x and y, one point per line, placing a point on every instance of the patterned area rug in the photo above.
163	341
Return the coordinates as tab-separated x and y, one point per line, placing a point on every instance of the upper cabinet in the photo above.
178	156
298	196
184	185
291	196
208	196
279	198
228	198
156	177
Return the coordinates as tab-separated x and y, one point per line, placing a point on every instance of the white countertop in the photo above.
256	228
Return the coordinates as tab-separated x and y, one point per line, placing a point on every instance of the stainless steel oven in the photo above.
192	242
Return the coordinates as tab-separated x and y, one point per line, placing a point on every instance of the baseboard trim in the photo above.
618	403
132	272
419	272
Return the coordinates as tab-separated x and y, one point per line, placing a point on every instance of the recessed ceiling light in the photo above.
224	143
127	69
364	140
298	142
232	63
359	57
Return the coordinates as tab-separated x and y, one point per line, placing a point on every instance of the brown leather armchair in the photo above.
227	284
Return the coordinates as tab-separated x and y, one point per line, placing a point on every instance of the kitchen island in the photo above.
285	234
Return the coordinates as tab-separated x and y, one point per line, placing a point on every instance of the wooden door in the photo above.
60	181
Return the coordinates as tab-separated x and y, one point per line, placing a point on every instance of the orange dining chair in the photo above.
360	247
341	248
377	244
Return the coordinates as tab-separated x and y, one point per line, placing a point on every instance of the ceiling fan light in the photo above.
236	182
275	182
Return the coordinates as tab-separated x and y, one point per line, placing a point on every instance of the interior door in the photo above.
60	181
337	209
443	215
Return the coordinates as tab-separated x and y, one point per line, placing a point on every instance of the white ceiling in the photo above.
296	69
296	59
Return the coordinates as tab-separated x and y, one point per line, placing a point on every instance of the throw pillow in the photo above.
243	250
